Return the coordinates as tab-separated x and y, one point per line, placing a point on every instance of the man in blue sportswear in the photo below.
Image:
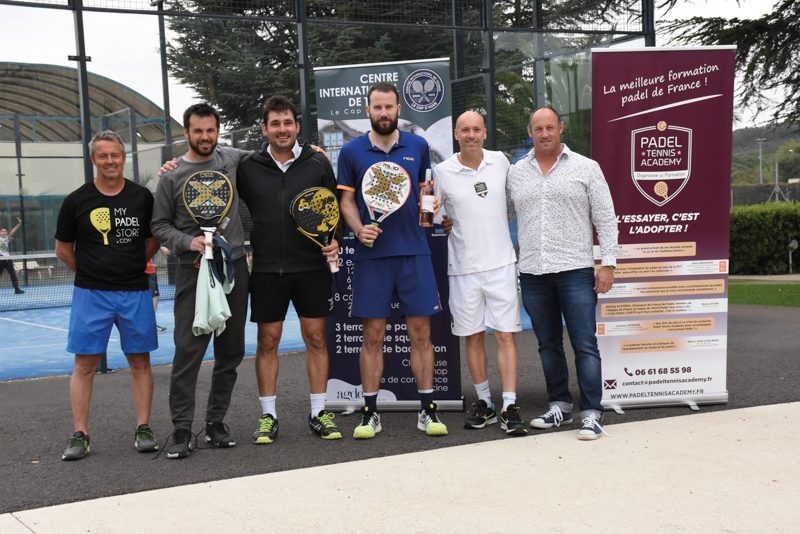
399	262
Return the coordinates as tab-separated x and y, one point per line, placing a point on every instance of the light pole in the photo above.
760	166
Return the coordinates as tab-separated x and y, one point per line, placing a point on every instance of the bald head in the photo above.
470	133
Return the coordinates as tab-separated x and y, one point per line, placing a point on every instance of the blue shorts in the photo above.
94	312
409	279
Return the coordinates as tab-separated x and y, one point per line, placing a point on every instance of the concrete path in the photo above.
730	471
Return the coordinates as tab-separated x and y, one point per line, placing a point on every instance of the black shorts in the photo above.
152	280
309	292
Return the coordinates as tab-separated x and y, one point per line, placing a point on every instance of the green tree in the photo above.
767	54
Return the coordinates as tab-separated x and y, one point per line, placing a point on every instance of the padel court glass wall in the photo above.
70	68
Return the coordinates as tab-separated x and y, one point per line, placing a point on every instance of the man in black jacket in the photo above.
287	266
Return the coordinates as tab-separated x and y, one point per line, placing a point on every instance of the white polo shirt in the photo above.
480	240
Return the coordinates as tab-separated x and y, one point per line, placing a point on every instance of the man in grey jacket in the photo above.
174	228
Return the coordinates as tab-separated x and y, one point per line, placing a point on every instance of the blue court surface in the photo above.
34	341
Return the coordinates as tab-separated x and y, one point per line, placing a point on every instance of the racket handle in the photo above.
209	234
334	266
374	223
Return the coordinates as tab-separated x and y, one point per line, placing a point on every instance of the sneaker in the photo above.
511	422
482	415
18	291
591	428
324	426
370	424
161	329
144	440
428	421
77	448
267	430
552	417
182	444
217	435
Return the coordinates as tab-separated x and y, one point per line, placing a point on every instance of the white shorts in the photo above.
484	300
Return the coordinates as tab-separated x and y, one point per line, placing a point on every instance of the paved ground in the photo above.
716	470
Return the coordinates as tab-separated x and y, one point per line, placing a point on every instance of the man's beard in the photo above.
380	130
203	151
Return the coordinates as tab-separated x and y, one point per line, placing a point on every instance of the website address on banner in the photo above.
665	381
645	394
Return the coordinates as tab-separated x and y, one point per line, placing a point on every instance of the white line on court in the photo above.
21	347
33	324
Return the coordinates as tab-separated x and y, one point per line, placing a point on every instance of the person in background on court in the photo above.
481	267
560	197
399	247
152	280
174	227
287	266
103	235
6	264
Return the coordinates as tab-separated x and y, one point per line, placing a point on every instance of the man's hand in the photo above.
447	224
368	233
168	166
603	279
199	243
331	252
315	148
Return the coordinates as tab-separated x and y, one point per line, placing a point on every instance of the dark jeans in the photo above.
546	297
190	349
8	265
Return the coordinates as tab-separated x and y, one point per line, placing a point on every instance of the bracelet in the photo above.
358	234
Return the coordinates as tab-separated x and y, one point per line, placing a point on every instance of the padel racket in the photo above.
316	213
385	188
208	196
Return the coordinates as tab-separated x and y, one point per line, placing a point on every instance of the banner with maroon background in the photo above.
662	132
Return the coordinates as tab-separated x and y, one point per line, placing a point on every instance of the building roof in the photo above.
46	98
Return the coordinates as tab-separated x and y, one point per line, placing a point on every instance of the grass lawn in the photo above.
764	294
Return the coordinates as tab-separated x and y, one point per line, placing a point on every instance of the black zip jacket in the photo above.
278	246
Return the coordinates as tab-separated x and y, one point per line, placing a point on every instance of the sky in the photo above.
125	47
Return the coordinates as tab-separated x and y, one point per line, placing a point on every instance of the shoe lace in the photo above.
592	421
145	433
179	436
326	419
512	414
555	413
266	423
481	409
77	441
430	413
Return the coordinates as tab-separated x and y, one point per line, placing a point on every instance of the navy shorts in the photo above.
309	292
94	312
409	279
152	281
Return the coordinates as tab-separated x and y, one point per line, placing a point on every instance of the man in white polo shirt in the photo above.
481	267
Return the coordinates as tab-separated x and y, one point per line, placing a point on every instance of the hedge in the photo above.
760	237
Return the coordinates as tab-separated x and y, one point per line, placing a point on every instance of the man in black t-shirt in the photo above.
103	235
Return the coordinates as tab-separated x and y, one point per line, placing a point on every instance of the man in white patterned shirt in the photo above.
559	196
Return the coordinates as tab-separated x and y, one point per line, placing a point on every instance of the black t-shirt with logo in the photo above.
109	233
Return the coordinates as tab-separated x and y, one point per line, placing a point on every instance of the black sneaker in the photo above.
217	435
144	440
511	421
18	291
77	448
161	329
267	430
324	426
182	444
482	415
369	426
